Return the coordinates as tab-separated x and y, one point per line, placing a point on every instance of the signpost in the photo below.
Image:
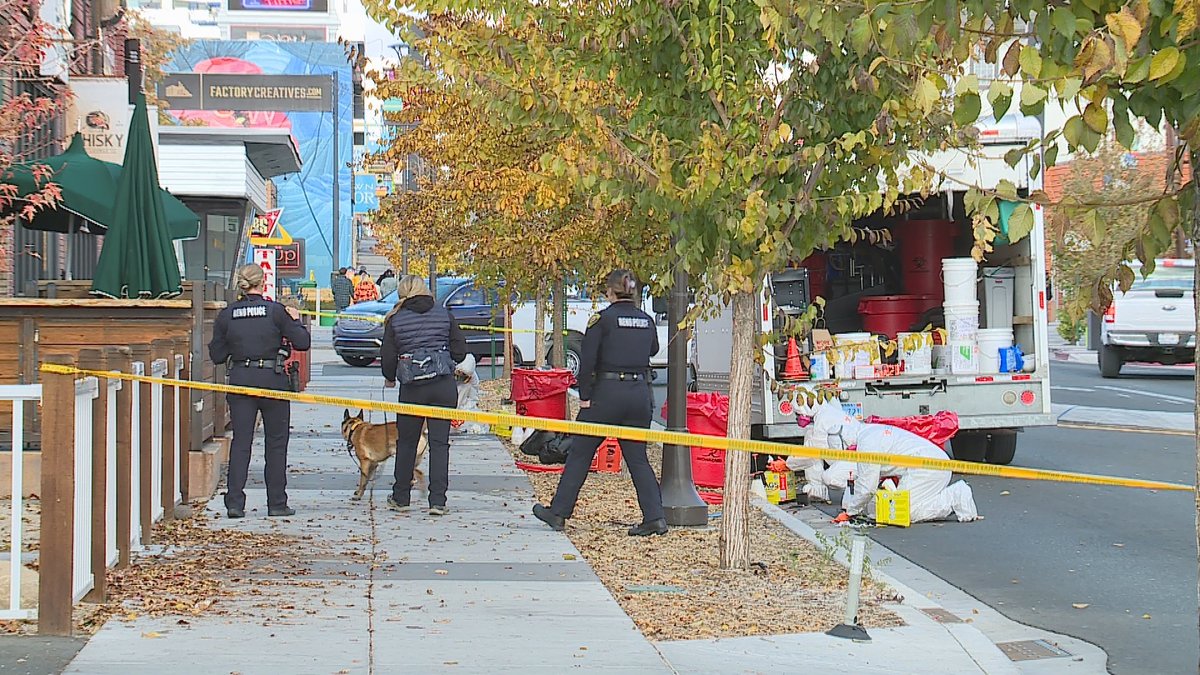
266	230
265	258
289	260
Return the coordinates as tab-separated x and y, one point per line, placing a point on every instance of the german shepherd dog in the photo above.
372	445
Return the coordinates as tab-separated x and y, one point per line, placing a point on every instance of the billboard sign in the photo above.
278	33
265	258
279	5
289	260
225	91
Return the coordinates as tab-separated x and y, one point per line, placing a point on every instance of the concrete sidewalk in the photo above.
487	588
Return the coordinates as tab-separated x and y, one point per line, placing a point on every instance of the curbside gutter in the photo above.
982	627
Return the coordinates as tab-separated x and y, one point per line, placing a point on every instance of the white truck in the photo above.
991	408
1154	322
579	310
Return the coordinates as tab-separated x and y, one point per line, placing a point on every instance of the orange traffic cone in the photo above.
792	368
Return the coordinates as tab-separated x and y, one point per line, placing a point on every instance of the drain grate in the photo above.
1031	650
941	616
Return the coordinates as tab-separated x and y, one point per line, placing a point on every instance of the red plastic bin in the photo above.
708	415
923	244
892	314
541	393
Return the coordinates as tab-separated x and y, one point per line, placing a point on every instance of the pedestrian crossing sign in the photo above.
266	230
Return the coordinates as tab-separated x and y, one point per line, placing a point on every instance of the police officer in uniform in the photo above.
614	388
248	336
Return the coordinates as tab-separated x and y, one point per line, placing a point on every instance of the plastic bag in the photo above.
937	428
1012	359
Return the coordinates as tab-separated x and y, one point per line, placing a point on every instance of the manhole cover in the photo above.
941	616
1031	650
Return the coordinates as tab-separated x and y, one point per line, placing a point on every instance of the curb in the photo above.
972	639
1073	356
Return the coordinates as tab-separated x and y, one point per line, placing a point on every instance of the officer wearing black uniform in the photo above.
614	388
248	336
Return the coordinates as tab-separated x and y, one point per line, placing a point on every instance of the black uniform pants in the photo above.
613	402
442	392
276	415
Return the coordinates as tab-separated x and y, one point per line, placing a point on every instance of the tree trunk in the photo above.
539	326
735	518
558	324
508	342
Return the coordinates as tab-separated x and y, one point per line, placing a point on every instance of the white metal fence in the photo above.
82	581
17	395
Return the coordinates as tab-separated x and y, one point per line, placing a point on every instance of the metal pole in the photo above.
404	257
849	628
433	274
337	172
682	504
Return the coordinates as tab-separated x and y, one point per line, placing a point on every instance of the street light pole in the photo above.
681	502
337	172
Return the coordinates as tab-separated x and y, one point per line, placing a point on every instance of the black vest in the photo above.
413	331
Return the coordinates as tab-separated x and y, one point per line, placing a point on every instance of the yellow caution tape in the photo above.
379	319
642	435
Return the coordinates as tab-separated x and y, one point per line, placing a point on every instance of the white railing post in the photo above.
180	455
82	580
112	553
18	394
135	458
157	369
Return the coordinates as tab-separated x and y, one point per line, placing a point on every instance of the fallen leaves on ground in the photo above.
795	588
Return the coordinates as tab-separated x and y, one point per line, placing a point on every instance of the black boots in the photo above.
235	513
648	528
281	511
556	523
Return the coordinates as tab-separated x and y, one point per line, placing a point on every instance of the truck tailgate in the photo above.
1142	310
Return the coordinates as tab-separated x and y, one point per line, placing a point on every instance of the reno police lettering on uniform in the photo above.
633	322
252	311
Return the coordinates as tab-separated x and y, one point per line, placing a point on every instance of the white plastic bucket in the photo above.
864	353
958	280
964	358
962	321
917	356
991	341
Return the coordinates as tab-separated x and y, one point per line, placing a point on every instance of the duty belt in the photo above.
254	363
624	377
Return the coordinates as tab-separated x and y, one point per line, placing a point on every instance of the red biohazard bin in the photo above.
541	393
708	415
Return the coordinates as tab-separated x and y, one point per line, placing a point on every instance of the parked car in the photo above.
1155	322
358	341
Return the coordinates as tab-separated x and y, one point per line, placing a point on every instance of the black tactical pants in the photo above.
613	402
442	392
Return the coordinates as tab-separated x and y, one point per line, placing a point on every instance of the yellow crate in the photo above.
781	486
893	507
502	430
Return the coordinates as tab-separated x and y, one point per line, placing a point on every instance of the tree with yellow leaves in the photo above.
483	200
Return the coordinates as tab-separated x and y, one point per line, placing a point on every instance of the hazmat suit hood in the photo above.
833	428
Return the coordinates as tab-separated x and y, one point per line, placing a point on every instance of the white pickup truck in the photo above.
1154	322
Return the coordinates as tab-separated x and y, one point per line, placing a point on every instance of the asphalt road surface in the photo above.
1129	555
1159	388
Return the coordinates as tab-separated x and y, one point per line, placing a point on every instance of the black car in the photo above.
358	341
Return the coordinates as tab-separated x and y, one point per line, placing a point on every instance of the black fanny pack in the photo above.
423	365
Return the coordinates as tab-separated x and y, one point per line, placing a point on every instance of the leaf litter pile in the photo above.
188	571
673	587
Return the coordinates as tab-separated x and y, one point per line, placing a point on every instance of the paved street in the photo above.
1046	546
1166	389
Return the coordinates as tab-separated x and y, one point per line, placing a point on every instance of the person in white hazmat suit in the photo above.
931	496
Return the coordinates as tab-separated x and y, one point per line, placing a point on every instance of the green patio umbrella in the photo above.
86	183
138	259
88	186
